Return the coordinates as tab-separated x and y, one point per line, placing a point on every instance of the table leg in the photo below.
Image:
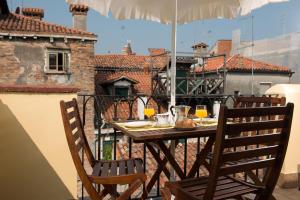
161	166
200	158
171	159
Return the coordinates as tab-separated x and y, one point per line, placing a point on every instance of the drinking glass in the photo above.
149	112
201	112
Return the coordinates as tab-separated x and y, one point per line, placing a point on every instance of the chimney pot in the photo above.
35	13
127	50
79	13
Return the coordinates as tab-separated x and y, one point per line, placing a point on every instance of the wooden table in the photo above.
155	139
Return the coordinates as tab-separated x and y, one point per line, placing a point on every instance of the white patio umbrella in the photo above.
174	12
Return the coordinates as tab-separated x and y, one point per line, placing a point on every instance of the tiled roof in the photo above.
143	78
118	78
240	63
129	61
151	164
18	24
37	88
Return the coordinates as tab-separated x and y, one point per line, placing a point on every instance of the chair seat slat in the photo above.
72	115
69	104
77	135
113	169
105	169
122	167
130	166
73	125
97	169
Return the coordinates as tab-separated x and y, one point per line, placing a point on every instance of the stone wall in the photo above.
23	61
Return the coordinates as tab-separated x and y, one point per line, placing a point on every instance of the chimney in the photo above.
127	49
79	13
35	13
200	49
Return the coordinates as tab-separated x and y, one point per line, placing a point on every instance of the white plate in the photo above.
207	120
137	124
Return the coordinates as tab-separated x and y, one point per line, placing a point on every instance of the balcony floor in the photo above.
287	194
280	194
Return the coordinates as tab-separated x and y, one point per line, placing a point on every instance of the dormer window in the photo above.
58	61
122	92
120	87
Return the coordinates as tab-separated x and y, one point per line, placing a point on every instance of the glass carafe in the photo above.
180	112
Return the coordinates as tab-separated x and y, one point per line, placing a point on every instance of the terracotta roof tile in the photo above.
240	63
19	24
129	61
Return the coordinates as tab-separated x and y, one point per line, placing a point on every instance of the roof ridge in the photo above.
68	30
262	62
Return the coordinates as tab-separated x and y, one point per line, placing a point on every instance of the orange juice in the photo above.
149	112
201	113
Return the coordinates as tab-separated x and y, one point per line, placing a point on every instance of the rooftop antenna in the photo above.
252	49
283	23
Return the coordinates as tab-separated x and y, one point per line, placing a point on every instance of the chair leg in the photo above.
112	190
132	188
165	194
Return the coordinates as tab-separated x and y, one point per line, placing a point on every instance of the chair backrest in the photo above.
263	101
270	147
78	143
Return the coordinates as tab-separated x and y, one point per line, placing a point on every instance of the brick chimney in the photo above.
200	49
36	13
127	49
79	13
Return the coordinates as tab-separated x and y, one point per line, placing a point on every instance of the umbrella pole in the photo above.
173	57
173	77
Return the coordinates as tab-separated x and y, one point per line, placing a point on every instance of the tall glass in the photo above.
149	112
201	112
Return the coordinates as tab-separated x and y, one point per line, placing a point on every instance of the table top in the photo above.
164	134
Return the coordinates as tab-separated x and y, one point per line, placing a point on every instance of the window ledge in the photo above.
57	73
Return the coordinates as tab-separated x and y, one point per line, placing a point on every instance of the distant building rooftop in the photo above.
242	64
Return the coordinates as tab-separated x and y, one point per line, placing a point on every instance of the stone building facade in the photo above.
35	53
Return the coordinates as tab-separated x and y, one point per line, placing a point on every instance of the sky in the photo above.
270	21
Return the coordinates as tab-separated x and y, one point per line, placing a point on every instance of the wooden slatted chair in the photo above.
220	184
109	174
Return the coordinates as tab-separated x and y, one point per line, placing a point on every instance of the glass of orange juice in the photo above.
201	112
149	112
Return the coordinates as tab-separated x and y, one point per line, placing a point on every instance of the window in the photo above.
122	92
58	60
264	86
